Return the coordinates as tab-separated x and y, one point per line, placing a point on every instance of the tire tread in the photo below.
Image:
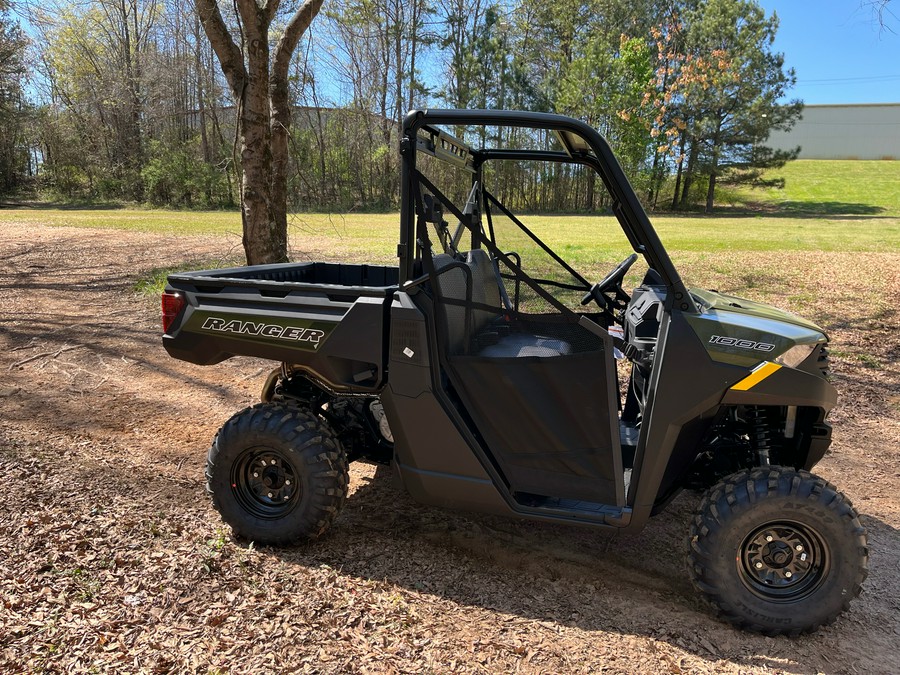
746	489
315	448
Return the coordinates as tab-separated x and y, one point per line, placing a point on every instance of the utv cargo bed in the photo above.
314	307
361	280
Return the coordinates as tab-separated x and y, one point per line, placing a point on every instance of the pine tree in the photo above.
732	84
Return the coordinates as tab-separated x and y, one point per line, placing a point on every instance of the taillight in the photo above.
172	304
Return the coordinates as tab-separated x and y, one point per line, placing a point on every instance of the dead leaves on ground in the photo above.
113	561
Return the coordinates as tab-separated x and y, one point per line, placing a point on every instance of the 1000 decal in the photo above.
741	344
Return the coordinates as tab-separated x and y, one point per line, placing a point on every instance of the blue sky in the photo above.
839	50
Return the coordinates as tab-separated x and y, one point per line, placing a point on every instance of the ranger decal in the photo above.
264	329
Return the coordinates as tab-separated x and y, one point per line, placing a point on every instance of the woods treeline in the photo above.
125	99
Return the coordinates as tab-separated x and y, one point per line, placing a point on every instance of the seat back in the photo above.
485	289
453	284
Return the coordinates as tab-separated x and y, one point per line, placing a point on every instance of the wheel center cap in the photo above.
777	554
273	478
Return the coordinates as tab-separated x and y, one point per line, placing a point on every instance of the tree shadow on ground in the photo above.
62	206
827	208
834	210
583	578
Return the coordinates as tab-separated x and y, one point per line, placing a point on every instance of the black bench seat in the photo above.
488	336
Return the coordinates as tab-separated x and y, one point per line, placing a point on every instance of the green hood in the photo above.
743	332
730	303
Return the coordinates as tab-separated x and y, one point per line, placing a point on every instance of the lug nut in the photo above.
286	496
270	495
273	461
768	537
798	547
759	565
287	482
788	575
255	474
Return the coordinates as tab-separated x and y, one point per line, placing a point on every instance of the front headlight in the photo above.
794	356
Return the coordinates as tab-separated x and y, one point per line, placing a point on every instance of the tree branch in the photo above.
292	33
255	18
52	355
230	56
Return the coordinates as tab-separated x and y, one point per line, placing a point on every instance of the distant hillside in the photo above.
839	187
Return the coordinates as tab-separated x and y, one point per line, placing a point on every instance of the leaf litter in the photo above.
114	560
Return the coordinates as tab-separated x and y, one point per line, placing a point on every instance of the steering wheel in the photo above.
611	284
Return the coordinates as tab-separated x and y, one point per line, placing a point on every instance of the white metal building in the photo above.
851	131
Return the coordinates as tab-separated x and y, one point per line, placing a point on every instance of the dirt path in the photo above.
113	559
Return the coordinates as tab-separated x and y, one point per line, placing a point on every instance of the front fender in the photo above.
782	386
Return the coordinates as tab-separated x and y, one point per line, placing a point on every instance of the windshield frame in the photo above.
593	151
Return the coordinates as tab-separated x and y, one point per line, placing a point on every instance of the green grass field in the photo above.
814	248
825	206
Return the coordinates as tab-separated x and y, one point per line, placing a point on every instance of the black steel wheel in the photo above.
265	483
777	551
277	474
783	560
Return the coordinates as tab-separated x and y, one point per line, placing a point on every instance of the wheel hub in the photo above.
777	554
781	560
273	477
265	482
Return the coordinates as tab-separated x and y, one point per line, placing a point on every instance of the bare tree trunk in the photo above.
711	191
413	37
714	170
262	240
281	116
589	193
397	20
319	130
201	94
264	115
689	173
679	171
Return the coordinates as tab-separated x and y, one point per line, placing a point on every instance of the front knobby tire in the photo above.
277	474
777	551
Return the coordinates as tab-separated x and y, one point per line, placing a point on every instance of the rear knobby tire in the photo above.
277	474
777	551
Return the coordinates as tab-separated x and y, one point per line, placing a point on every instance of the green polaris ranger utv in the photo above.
485	368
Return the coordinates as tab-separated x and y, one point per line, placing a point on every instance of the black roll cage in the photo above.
583	145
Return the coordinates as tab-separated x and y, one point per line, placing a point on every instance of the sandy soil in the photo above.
113	559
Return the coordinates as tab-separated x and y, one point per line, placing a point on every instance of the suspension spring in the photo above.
760	436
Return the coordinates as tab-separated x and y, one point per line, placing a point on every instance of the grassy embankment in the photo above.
820	191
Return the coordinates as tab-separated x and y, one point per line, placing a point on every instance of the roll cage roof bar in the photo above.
582	144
